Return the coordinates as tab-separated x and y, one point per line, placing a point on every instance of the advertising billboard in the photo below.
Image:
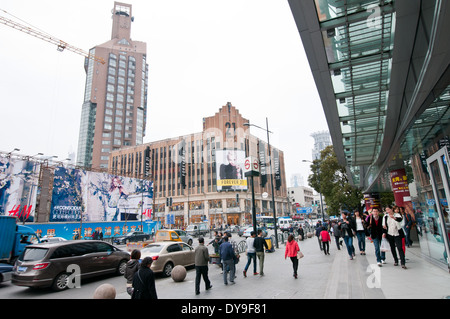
99	197
229	169
18	187
115	198
67	197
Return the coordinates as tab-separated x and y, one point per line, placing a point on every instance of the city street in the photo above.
174	118
320	277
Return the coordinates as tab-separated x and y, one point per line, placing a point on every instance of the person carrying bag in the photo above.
291	251
144	281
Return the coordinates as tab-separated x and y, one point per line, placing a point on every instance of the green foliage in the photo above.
330	179
386	199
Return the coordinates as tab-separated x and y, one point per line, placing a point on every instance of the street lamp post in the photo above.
14	150
271	176
320	194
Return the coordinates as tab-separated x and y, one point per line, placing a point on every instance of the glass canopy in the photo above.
358	40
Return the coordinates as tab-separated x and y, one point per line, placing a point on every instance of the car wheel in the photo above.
121	268
61	282
167	271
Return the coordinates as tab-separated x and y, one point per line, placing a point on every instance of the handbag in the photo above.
300	255
384	245
137	293
236	259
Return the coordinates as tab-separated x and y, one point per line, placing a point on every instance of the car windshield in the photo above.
152	249
33	254
131	233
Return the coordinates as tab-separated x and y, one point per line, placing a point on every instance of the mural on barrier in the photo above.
71	231
18	187
76	194
99	197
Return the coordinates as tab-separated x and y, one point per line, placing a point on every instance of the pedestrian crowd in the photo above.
388	231
140	279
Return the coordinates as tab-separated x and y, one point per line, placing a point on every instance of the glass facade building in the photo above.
381	68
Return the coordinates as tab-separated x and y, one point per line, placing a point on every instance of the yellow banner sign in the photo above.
232	182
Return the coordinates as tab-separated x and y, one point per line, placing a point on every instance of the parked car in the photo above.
130	237
46	264
242	230
46	239
233	229
173	235
197	229
167	255
5	272
249	230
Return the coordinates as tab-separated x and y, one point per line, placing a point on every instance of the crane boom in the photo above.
61	45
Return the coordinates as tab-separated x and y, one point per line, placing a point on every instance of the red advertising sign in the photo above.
400	187
372	200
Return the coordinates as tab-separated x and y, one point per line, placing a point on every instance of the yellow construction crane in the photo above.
60	45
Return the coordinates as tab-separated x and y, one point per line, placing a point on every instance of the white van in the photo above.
197	229
284	223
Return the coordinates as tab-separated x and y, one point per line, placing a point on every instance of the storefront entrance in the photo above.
438	208
233	219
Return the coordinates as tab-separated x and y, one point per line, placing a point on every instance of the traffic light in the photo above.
237	198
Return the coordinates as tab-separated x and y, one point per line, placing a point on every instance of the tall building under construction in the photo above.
115	99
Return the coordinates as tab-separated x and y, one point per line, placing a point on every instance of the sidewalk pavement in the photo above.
320	276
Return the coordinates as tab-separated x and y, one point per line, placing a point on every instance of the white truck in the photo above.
284	223
197	229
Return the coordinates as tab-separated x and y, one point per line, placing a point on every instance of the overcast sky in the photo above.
201	55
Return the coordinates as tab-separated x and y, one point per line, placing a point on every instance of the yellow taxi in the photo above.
173	235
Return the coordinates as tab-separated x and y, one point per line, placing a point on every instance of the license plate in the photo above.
22	269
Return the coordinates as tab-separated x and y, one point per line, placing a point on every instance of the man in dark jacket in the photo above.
132	267
347	227
337	234
318	230
375	226
259	244
144	281
201	265
228	258
301	233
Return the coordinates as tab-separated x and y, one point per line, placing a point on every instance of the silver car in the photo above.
168	254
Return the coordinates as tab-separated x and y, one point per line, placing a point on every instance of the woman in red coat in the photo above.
291	251
325	237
